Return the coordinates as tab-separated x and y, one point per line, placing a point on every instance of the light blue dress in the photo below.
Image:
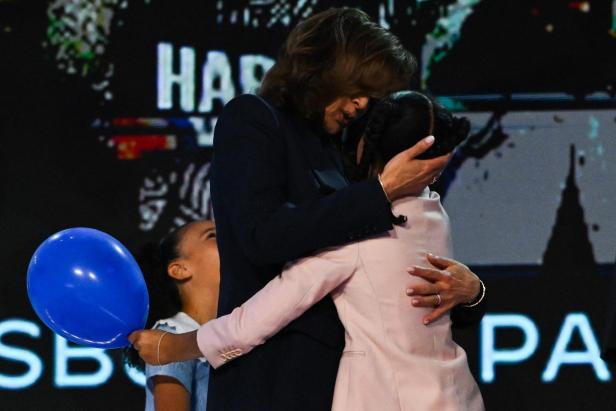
193	375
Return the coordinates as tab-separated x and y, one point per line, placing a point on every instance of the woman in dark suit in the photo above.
279	192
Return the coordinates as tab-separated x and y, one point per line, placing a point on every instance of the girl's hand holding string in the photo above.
158	347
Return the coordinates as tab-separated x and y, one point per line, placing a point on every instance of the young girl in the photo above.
393	359
182	273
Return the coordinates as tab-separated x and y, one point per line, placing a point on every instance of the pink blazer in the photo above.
391	361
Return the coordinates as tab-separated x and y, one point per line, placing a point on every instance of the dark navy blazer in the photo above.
279	193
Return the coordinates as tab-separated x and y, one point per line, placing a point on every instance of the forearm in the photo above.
281	301
179	347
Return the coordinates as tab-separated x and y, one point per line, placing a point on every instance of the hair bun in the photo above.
460	128
449	133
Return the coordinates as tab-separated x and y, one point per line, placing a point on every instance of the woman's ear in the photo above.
178	271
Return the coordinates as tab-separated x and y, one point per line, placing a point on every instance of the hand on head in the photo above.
405	175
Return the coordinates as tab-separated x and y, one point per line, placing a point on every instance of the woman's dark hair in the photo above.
402	119
165	302
335	53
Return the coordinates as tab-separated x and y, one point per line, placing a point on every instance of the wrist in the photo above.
158	349
387	187
396	220
191	346
183	347
478	298
378	177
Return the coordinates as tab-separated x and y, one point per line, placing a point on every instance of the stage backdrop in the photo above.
107	113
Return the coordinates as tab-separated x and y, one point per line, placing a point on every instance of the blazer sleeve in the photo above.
249	177
281	301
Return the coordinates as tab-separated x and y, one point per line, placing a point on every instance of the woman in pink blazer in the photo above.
392	360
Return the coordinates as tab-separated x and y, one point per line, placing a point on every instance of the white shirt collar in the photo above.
181	323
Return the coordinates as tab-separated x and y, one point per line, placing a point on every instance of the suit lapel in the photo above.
325	162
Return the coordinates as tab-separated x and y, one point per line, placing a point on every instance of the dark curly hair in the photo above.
398	122
335	53
165	302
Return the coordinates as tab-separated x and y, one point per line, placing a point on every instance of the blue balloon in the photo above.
87	287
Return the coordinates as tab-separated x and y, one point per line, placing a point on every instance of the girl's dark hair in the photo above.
165	302
335	53
402	119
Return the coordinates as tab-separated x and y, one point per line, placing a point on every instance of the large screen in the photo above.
110	107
